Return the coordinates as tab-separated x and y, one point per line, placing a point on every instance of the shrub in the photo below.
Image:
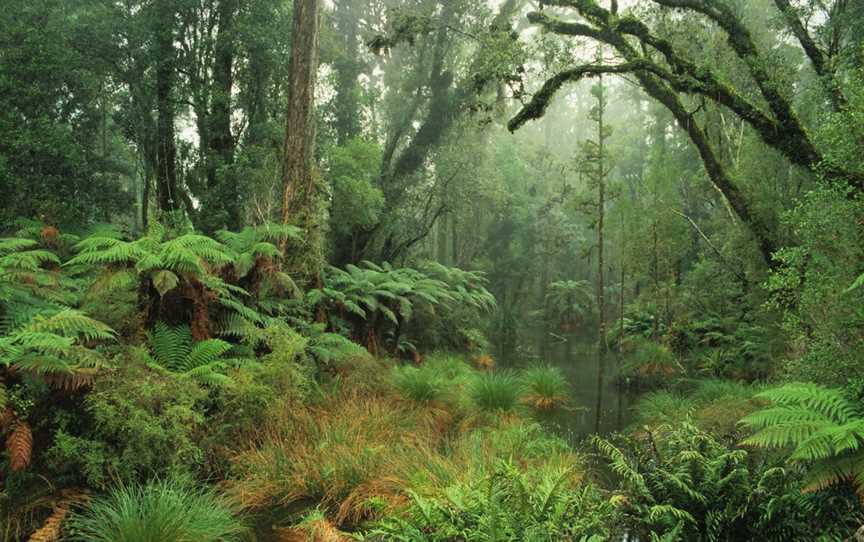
546	387
680	483
493	391
647	361
715	406
507	504
164	511
136	424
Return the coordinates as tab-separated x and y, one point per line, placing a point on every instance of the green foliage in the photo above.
823	428
184	267
169	510
715	406
545	388
134	424
571	303
371	297
420	384
174	350
508	504
352	170
495	391
648	361
254	252
680	483
811	287
55	347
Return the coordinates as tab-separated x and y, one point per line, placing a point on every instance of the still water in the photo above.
577	358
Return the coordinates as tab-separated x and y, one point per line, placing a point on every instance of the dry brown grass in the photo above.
484	362
318	530
340	454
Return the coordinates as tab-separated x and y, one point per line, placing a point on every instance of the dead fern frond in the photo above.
53	526
7	416
19	445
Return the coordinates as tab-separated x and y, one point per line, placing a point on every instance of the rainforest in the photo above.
431	270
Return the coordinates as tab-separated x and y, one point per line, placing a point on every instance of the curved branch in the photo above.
536	108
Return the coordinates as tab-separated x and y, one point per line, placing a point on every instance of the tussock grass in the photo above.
495	391
545	388
337	455
162	511
419	384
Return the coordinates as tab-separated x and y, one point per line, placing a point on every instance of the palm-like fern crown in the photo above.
56	347
27	286
822	427
169	262
254	242
394	292
173	349
570	299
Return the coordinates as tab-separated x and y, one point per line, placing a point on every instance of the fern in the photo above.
173	349
19	446
55	348
683	484
822	427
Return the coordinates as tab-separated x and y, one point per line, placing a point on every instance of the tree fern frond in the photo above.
827	401
15	244
170	345
19	446
203	353
72	323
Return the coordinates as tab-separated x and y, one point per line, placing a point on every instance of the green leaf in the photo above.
164	281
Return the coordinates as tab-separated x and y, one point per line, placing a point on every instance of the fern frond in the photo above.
203	353
170	345
831	403
72	323
19	446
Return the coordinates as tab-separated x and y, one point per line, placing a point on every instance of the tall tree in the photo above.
298	178
167	194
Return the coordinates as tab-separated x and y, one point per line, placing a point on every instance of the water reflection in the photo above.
578	359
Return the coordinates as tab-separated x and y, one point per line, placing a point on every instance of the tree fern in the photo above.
56	348
372	296
822	427
173	265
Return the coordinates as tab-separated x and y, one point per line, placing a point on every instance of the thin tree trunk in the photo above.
601	204
166	151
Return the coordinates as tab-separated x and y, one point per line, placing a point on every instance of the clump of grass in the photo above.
419	384
163	511
545	388
646	359
495	391
338	455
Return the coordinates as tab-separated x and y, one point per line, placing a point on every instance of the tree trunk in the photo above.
347	71
298	177
601	215
166	150
221	139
